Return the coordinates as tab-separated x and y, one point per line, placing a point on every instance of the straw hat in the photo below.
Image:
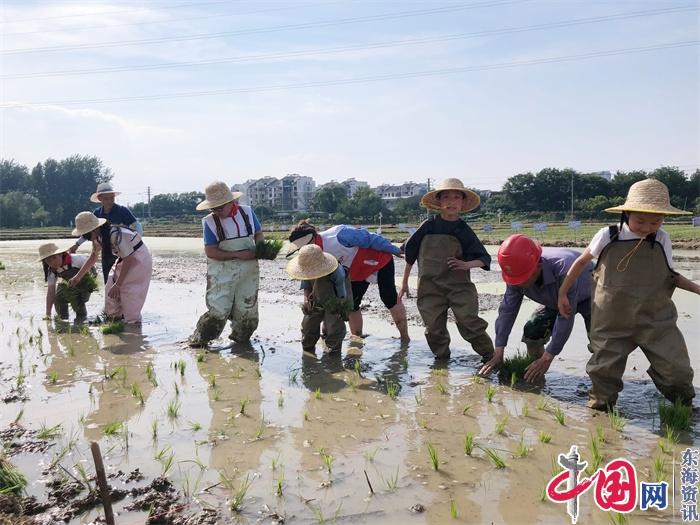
430	199
311	263
217	194
50	248
85	222
648	196
102	188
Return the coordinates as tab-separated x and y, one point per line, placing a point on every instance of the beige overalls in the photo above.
632	307
439	289
232	293
334	326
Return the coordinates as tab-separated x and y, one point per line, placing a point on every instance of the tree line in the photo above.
53	192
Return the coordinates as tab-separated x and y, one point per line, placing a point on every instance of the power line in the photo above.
287	27
121	11
366	79
340	49
168	21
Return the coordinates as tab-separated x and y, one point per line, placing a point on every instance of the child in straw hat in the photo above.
447	249
632	306
75	287
326	284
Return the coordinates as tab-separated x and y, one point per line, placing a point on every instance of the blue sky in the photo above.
622	112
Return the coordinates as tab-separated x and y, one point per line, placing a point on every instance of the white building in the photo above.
291	193
401	191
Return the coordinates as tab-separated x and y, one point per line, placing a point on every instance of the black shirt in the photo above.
472	248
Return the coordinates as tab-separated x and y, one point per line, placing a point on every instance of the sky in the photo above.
172	95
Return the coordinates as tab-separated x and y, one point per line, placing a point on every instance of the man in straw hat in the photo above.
230	233
71	291
115	214
536	273
325	297
632	302
447	249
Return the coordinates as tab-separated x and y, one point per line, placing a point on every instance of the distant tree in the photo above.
678	185
264	213
16	209
599	203
365	204
172	204
622	181
499	201
329	198
408	209
14	177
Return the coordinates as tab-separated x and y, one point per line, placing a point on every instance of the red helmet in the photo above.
518	257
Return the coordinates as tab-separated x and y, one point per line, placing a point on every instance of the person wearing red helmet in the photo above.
536	273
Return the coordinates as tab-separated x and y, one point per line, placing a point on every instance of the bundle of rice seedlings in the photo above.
113	327
268	249
11	479
338	306
676	416
72	294
514	367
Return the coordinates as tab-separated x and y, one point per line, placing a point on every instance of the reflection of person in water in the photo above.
111	373
237	425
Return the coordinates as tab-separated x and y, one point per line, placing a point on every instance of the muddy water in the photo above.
306	431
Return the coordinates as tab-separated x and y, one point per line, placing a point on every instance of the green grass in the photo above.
392	389
514	367
676	416
501	425
490	393
434	460
544	437
659	469
49	432
11	478
559	414
112	428
617	422
113	327
495	458
522	450
468	443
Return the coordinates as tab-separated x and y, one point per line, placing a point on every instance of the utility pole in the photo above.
428	183
149	202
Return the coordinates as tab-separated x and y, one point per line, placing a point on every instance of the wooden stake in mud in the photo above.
102	482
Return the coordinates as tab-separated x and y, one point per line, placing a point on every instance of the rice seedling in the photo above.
352	384
306	415
513	368
84	477
392	481
317	394
160	454
150	374
544	437
19	415
596	456
279	486
423	423
327	460
177	389
676	416
490	392
52	377
392	389
434	460
195	427
599	433
525	410
466	409
201	357
442	389
261	428
468	443
136	392
671	435
112	428
478	380
2	266
243	403
659	469
453	509
280	400
501	425
358	368
617	422
212	381
166	464
49	432
293	377
542	404
522	450
173	409
11	478
216	394
419	397
113	327
495	458
180	366
617	518
268	248
559	414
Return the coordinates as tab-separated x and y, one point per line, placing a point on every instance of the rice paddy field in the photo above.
263	433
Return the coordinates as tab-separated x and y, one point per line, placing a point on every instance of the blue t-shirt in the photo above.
231	225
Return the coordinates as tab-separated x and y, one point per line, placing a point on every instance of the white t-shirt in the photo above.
76	261
128	239
602	239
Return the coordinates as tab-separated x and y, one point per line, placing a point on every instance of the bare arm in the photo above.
50	298
456	264
259	236
85	268
574	272
214	252
404	282
686	284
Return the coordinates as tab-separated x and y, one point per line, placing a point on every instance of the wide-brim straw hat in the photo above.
470	202
298	244
102	188
51	248
648	196
311	263
85	222
217	194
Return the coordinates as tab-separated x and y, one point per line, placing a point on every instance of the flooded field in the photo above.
262	433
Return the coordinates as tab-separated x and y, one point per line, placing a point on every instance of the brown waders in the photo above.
632	307
439	289
75	297
232	293
333	324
